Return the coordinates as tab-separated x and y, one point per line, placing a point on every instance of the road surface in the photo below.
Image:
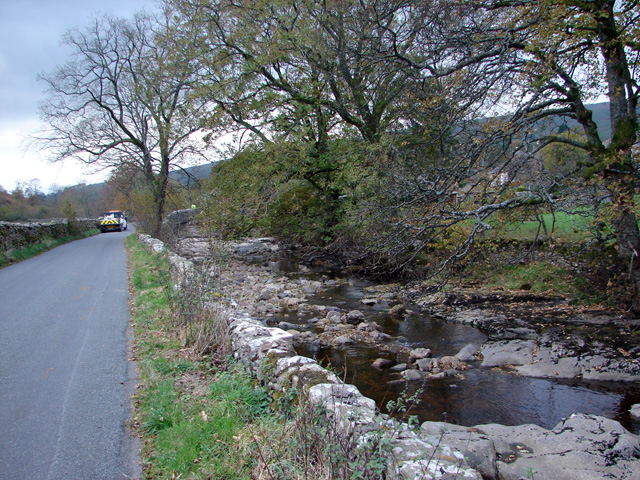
65	381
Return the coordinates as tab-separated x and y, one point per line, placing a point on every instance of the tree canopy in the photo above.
125	98
390	126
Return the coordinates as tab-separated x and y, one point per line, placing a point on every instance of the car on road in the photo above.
113	220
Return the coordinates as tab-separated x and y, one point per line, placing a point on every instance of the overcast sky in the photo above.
30	34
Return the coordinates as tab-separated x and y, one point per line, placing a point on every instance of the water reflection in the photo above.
474	397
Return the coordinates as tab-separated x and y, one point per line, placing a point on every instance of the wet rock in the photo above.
425	364
377	336
507	352
381	306
338	328
443	374
560	360
613	370
333	317
381	363
520	332
342	340
566	367
355	317
291	326
312	285
305	337
413	375
418	353
476	317
583	447
369	327
400	367
451	363
430	300
397	310
294	301
468	353
635	410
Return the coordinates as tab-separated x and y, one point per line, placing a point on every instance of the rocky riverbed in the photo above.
556	341
530	335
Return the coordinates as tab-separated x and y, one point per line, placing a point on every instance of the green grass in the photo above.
187	432
20	254
538	277
559	225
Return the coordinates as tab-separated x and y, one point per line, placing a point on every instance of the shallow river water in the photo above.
476	396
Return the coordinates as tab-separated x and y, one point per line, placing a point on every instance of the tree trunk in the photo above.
626	228
627	232
159	201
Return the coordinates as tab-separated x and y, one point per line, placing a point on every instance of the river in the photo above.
473	397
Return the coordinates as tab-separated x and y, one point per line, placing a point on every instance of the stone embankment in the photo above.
580	447
19	235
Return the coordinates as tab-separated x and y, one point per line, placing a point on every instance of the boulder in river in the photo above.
585	447
381	363
342	340
468	353
508	352
418	353
355	317
397	310
413	375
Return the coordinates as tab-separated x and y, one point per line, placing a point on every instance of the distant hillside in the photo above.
190	175
600	116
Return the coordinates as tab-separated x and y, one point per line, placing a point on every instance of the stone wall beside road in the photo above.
19	235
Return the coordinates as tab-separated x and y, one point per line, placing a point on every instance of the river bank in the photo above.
253	278
532	335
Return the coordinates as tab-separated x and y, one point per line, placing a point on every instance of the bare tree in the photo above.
126	97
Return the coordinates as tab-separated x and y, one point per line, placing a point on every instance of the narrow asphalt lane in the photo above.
65	379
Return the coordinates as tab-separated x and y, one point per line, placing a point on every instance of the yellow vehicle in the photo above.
113	220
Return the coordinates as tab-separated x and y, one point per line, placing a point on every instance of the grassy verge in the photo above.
19	254
200	415
192	413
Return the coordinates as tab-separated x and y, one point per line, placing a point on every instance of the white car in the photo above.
113	220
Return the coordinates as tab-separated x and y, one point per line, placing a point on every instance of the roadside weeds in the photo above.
199	414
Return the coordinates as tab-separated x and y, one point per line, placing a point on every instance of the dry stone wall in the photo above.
19	235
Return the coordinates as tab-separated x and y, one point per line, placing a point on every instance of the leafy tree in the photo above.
304	71
578	51
284	65
71	216
540	63
125	98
